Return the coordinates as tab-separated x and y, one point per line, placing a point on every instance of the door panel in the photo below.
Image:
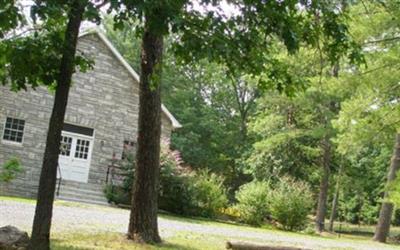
75	156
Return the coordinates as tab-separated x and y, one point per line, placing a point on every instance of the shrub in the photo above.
117	195
10	170
199	194
252	202
290	203
209	194
119	191
175	195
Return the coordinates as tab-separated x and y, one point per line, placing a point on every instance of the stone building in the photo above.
101	118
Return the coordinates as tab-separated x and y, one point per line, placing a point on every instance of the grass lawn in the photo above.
187	240
104	241
176	232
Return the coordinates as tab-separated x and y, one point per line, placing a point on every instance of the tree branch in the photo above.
384	40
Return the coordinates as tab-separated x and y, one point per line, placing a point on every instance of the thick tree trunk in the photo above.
40	238
385	215
323	188
143	219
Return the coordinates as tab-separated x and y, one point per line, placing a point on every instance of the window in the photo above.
82	149
66	143
14	130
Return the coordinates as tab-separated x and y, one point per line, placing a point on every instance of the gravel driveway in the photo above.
88	218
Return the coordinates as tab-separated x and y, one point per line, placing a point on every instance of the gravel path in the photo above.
93	219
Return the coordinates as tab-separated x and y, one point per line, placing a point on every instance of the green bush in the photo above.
122	193
209	195
10	170
290	203
117	195
175	194
252	202
369	213
182	193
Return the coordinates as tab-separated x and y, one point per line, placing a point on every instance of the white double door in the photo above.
75	156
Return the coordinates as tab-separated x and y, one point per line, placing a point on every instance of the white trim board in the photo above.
132	72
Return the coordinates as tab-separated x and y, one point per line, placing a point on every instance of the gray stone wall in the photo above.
105	99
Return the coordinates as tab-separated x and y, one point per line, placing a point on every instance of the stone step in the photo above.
99	191
82	192
83	195
79	185
80	200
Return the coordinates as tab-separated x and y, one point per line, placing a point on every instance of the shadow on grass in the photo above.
168	245
199	220
109	241
59	245
355	233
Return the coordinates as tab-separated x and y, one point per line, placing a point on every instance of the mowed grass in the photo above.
103	241
188	240
208	237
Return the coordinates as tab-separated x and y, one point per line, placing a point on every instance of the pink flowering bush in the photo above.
181	191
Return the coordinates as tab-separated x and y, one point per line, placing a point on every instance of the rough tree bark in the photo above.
323	187
385	214
143	225
40	239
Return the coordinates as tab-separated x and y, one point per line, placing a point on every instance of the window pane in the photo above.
65	145
82	149
13	130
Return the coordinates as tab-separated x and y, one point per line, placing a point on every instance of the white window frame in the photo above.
14	143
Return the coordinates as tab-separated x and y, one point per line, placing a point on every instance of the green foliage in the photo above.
201	194
238	41
116	194
394	191
288	132
209	194
205	102
175	194
10	170
253	202
41	43
369	117
10	17
290	203
121	191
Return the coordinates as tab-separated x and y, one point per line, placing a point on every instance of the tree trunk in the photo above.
40	239
385	215
143	218
323	188
335	202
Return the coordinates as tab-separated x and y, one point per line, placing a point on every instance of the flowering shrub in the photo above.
181	191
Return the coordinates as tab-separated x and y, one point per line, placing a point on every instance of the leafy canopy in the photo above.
30	51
